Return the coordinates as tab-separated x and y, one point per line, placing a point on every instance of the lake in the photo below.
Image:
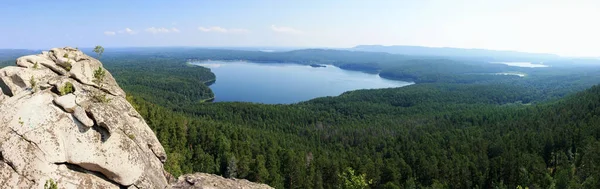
287	83
522	64
511	73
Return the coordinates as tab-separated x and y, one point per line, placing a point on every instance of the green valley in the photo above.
452	129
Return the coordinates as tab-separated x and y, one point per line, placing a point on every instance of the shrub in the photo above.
66	89
99	75
33	84
50	184
99	50
66	65
101	97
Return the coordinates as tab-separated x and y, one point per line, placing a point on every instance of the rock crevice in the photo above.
12	166
80	169
41	125
25	139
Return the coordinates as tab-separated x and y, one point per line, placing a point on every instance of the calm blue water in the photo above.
286	83
522	64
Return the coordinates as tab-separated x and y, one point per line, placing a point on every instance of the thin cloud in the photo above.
283	29
213	29
162	30
222	30
128	31
110	33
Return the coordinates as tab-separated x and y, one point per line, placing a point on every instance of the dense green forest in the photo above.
417	136
442	133
455	128
139	69
170	84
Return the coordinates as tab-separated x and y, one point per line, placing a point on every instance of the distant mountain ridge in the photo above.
455	52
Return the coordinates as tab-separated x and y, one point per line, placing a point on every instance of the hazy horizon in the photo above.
535	26
290	48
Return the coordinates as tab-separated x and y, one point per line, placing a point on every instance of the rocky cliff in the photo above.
64	118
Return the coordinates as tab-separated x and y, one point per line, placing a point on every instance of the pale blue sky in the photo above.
566	27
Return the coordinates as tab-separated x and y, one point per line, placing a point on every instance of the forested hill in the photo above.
420	69
167	81
450	136
457	52
455	128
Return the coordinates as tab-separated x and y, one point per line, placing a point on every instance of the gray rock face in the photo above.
82	117
90	138
66	102
74	139
208	181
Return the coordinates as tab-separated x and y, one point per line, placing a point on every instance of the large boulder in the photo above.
14	80
66	102
203	181
90	138
80	114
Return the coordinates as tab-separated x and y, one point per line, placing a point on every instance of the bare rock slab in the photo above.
79	114
66	102
203	180
42	137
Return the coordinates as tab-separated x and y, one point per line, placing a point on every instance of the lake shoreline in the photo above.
313	65
286	83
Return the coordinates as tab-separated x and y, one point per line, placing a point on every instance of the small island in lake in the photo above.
317	66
